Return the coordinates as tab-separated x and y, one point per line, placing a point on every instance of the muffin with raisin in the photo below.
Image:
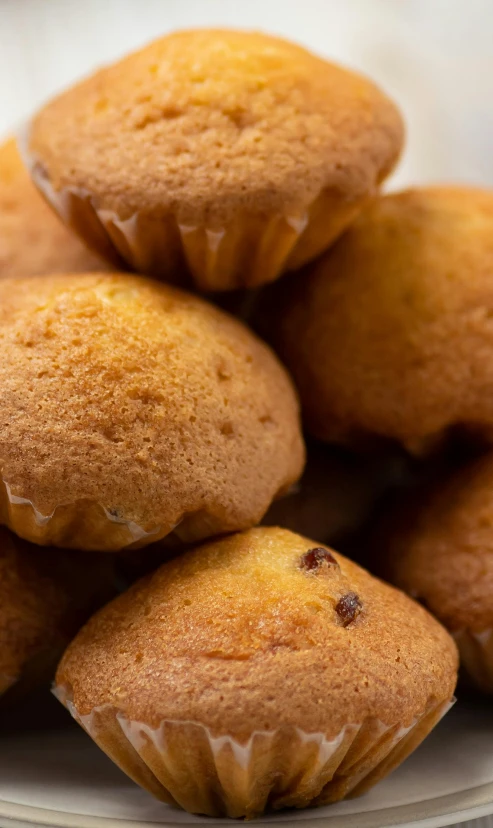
215	157
258	672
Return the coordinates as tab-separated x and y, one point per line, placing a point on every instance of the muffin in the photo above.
214	157
333	500
33	240
390	335
335	495
440	550
131	410
258	672
44	599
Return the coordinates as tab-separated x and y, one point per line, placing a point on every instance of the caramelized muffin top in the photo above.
143	400
205	122
257	630
390	333
33	241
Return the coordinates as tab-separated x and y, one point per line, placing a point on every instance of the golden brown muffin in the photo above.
258	672
44	599
336	494
390	334
440	550
333	500
130	410
230	155
33	240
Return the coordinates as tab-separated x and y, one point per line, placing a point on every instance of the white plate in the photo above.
51	774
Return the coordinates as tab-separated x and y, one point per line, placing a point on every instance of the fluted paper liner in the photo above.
476	657
101	527
183	763
251	249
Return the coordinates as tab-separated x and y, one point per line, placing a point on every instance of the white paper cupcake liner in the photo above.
92	526
476	657
183	763
251	249
101	527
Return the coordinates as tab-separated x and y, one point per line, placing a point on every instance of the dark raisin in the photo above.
314	558
348	608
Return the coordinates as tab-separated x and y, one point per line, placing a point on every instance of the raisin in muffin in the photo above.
257	672
32	239
131	410
215	156
44	599
390	335
439	548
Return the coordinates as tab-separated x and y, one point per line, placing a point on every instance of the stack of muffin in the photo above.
145	429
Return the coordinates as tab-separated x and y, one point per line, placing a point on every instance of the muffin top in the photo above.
205	122
149	402
44	598
390	333
440	549
33	240
258	630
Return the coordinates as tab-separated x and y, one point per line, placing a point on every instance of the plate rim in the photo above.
471	803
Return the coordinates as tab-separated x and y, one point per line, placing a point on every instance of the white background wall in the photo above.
434	56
